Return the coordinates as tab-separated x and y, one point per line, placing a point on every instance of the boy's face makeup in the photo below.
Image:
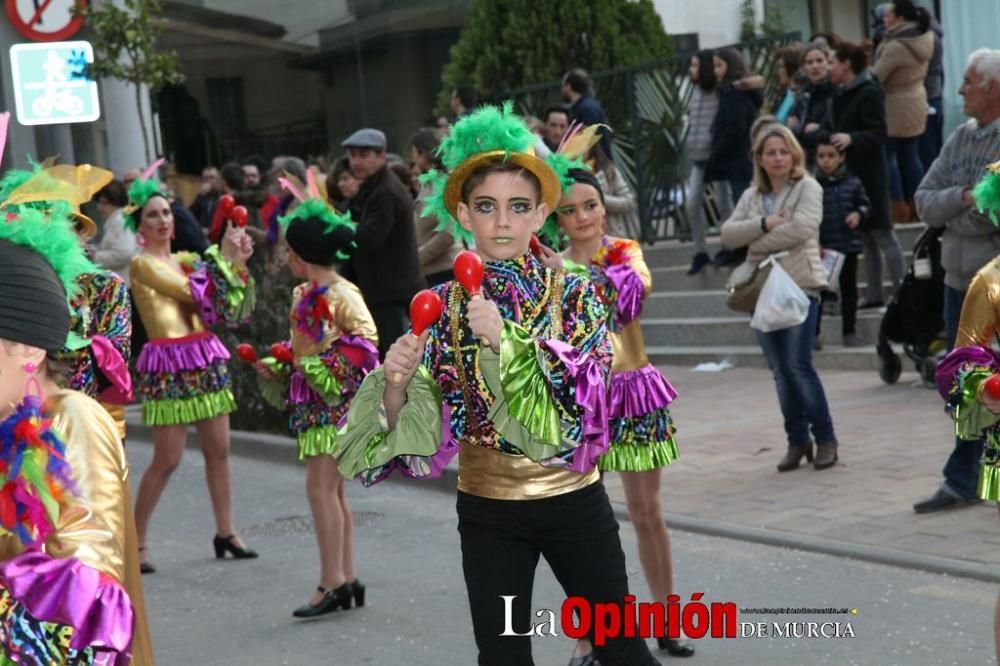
581	214
502	213
828	159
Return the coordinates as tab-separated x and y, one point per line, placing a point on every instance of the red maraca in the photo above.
425	309
535	246
992	387
468	269
246	353
282	353
226	204
240	215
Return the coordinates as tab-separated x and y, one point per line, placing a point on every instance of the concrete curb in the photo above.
282	450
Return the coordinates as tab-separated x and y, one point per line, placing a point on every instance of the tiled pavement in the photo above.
894	441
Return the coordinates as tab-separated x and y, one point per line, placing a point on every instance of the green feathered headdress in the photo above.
488	136
139	193
50	234
987	192
315	204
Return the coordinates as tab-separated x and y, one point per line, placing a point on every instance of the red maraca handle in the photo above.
246	353
425	309
992	387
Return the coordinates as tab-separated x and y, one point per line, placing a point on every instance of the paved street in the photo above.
208	612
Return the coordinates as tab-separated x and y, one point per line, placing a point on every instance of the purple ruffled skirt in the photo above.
184	380
640	427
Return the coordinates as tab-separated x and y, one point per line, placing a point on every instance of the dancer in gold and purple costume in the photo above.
182	376
333	345
70	591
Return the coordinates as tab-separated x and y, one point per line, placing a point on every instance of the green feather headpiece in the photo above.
987	192
51	235
139	193
318	209
488	136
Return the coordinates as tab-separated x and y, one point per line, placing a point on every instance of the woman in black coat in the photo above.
812	116
859	130
730	155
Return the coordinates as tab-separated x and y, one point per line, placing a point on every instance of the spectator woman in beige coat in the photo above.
901	61
781	213
436	249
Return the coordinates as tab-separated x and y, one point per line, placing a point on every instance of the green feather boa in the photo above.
52	236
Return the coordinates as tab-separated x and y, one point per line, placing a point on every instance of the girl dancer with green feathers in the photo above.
313	377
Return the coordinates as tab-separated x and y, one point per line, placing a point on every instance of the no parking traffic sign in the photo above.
45	20
51	84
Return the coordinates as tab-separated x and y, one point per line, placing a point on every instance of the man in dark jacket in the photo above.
385	261
584	107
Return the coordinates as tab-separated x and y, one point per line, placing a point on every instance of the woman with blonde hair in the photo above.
781	213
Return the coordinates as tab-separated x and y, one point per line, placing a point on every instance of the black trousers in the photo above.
501	540
391	321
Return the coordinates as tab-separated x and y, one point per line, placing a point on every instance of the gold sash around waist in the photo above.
487	472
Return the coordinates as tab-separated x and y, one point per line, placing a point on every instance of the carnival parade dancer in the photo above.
640	427
969	376
95	359
333	346
70	591
182	375
517	376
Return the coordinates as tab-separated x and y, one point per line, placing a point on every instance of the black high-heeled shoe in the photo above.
358	588
333	599
147	566
228	544
675	648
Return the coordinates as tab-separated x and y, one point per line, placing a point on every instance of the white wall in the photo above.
717	22
968	25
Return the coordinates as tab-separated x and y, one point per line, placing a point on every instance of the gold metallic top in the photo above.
350	317
97	528
487	472
163	297
981	309
117	413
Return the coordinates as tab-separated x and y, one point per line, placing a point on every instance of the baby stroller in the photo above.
914	316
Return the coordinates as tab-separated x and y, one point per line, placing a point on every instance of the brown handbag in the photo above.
744	285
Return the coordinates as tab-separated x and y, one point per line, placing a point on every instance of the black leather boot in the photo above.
794	456
826	455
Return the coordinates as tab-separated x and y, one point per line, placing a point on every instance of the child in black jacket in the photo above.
845	207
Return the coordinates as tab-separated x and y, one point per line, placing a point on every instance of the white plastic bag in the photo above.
782	304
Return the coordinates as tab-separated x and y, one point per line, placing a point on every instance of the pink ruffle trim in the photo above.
639	392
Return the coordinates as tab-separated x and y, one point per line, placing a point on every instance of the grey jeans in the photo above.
878	242
696	205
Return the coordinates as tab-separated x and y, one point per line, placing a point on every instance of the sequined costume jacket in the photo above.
641	429
82	586
960	375
332	345
100	344
530	422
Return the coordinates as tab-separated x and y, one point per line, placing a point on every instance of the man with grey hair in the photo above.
970	240
385	263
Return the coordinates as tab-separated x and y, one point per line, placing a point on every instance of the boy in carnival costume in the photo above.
517	379
332	346
969	376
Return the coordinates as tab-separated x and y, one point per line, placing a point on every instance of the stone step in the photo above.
675	278
733	331
679	253
709	303
750	356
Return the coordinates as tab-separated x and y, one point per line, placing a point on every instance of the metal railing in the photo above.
646	106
